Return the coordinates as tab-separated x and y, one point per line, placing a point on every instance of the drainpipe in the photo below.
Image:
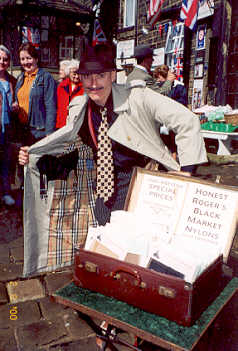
221	79
136	22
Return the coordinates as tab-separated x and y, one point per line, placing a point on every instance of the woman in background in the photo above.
7	85
63	73
178	92
36	97
66	91
36	105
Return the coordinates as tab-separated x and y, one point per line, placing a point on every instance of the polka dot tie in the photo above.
105	167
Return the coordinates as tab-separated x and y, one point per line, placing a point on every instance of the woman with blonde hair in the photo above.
7	85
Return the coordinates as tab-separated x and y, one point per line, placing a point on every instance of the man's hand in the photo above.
171	76
23	157
180	173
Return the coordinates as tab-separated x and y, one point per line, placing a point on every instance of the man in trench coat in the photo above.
134	116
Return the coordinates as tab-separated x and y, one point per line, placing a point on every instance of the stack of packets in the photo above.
131	238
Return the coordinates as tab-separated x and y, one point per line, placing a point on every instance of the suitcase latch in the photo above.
90	267
167	292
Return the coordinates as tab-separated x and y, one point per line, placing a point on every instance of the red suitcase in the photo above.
168	296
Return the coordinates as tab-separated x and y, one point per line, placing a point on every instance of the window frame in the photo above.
175	42
68	49
126	22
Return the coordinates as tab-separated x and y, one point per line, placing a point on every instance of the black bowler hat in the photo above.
142	51
98	59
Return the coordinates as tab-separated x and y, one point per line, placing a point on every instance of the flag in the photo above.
32	35
189	11
166	27
179	69
98	34
154	11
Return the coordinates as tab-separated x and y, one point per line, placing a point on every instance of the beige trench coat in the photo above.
141	112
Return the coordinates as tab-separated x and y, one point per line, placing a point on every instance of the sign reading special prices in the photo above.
193	212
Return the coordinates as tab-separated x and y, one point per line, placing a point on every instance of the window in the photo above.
174	49
129	13
66	50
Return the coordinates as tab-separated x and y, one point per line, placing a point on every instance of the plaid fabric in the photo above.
72	208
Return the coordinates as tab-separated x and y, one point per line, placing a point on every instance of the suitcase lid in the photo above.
194	210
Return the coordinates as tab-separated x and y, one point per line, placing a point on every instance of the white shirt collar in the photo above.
141	67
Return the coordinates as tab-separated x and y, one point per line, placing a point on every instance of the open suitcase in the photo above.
159	293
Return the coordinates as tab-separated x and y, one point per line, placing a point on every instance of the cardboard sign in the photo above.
193	211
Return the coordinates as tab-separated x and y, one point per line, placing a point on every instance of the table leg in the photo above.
108	337
224	147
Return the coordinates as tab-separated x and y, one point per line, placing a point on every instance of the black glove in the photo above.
56	167
102	212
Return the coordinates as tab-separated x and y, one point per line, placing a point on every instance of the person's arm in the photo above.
165	88
50	99
185	124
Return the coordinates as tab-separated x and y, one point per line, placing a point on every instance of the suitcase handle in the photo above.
128	271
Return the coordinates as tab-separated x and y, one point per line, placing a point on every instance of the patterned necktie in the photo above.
105	167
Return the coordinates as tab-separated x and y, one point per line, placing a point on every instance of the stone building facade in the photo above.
201	64
209	71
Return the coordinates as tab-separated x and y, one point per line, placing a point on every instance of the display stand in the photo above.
224	140
149	327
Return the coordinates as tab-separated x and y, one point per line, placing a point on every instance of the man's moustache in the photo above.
95	89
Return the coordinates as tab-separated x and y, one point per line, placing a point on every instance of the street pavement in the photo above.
31	321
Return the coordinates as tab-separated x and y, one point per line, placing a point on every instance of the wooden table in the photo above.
203	335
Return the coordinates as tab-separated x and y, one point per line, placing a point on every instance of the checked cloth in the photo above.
105	167
72	209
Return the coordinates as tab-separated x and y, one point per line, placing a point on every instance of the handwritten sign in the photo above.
158	201
209	215
195	212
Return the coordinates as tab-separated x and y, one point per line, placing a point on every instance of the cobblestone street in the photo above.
30	321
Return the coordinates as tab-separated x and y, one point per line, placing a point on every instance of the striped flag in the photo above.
98	34
179	69
154	11
189	12
32	35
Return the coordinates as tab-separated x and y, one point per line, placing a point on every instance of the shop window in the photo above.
129	13
66	49
174	49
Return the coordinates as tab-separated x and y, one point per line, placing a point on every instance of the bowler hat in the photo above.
97	59
141	51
